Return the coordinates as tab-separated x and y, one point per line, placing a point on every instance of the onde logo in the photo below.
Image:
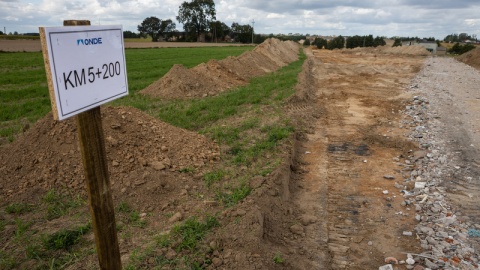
89	41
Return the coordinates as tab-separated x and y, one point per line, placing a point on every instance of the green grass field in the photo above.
23	89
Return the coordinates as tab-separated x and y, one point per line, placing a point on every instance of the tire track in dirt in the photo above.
346	157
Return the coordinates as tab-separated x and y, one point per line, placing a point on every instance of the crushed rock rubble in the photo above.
444	234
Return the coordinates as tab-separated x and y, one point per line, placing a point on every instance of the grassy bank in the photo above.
23	89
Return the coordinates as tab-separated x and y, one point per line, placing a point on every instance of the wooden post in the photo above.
94	159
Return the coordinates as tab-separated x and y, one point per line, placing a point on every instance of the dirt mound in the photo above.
217	76
400	50
205	79
282	53
471	58
139	149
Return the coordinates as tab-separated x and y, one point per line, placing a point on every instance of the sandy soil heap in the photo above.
138	146
400	50
471	58
213	77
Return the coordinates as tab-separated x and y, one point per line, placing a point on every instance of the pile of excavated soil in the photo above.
213	77
400	50
139	149
471	58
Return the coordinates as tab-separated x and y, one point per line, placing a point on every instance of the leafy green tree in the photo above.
461	49
354	42
197	16
168	27
379	41
306	42
130	34
155	27
242	33
336	43
1	33
257	39
397	43
321	43
219	30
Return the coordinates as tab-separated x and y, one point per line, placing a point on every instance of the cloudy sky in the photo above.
422	18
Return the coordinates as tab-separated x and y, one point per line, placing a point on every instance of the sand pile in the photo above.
139	149
217	76
400	50
408	50
471	58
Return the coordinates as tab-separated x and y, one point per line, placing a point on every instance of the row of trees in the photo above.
461	49
217	30
462	37
341	42
199	19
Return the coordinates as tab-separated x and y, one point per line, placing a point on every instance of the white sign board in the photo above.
86	66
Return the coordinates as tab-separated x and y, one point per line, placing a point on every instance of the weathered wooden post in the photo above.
63	80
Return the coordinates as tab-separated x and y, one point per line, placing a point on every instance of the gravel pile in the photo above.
449	233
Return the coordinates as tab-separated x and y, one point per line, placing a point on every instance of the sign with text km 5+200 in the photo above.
85	67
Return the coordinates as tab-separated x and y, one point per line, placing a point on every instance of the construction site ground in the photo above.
335	201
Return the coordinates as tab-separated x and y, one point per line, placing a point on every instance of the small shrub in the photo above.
278	258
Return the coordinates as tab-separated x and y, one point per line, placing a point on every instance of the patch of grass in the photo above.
278	258
124	207
65	239
192	231
214	176
187	170
246	154
59	205
130	216
7	261
199	113
164	240
233	196
3	223
18	208
22	227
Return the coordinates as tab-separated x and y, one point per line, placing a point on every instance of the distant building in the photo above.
430	46
441	51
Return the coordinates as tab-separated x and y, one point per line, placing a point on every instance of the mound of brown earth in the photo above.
217	76
141	150
471	58
400	50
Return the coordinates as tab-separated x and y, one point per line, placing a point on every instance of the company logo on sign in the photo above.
89	41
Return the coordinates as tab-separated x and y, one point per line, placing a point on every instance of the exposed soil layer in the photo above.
341	184
213	77
471	58
140	149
